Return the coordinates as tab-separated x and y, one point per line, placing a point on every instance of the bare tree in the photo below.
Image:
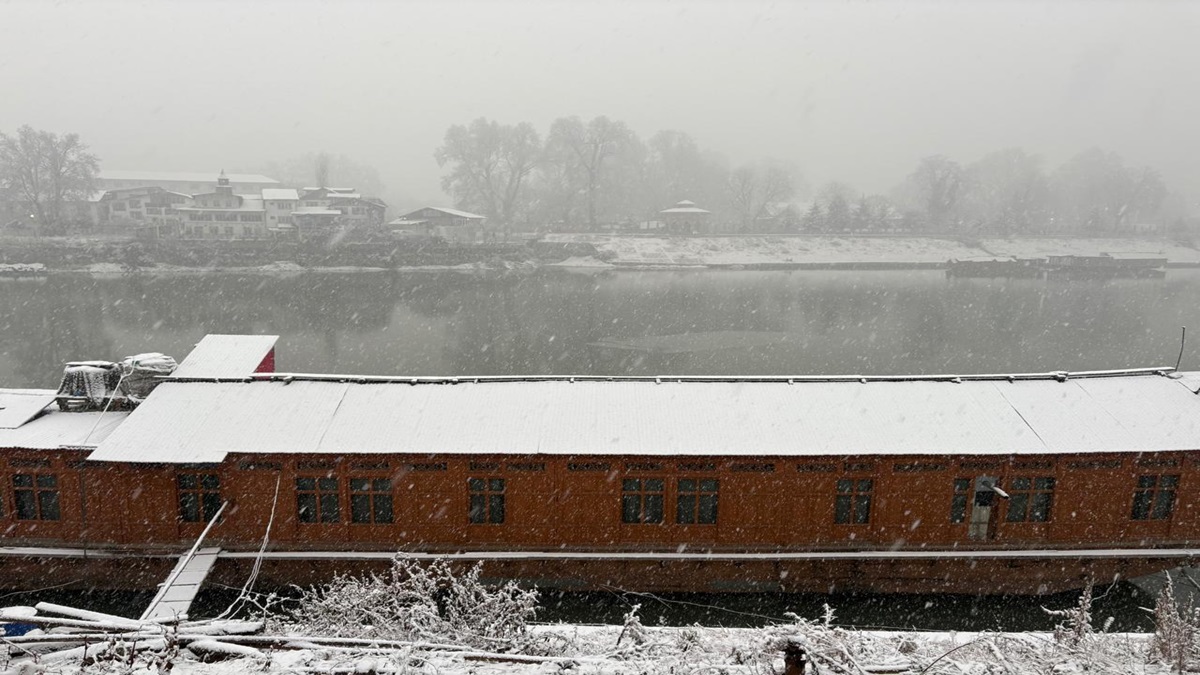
754	188
489	164
46	171
590	148
321	168
936	187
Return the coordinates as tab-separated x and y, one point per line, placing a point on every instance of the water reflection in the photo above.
879	322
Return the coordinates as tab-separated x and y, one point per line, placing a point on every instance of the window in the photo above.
36	496
642	500
370	500
317	500
958	504
696	503
1154	498
199	496
853	503
487	500
1030	500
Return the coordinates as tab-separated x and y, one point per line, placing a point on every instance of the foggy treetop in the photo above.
854	92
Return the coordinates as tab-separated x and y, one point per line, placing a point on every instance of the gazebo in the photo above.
686	218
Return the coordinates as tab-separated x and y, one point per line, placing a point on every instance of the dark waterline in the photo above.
869	322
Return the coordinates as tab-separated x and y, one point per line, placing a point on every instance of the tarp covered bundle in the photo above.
88	385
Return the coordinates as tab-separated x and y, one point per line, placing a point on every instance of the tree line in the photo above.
584	175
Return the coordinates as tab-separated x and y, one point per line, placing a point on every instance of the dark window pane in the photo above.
1147	481
496	508
496	484
329	509
1169	481
381	485
707	509
478	509
1141	505
475	484
631	485
212	504
306	484
1163	502
1020	484
1039	511
654	508
189	507
685	511
845	486
210	482
22	480
48	501
841	510
360	484
383	508
962	484
360	508
654	485
864	486
631	509
187	481
708	485
47	481
958	509
687	485
1043	483
26	506
1018	505
862	509
328	484
306	507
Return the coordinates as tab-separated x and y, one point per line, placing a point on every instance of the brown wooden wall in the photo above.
557	502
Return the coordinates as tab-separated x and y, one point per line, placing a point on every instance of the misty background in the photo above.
854	92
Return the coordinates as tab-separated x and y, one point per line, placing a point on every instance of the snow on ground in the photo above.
639	650
1040	248
826	250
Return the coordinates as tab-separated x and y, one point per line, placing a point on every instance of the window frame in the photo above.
205	508
486	500
322	495
42	498
375	496
704	496
1149	496
1031	501
643	500
853	497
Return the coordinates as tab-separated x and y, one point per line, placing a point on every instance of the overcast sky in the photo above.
853	91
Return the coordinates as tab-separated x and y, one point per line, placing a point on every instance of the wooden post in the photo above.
794	658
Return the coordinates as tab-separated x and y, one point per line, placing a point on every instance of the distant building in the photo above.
145	210
435	221
686	218
222	214
185	182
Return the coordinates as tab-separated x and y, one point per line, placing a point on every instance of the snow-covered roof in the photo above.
23	424
223	356
315	211
182	176
203	421
280	194
452	212
18	406
685	209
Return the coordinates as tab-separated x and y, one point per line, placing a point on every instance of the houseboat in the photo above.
1021	483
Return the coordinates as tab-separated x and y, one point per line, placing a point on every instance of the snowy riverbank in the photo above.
848	252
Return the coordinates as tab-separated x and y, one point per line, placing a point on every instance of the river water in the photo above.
800	323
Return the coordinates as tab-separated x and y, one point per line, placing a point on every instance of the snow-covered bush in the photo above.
1175	629
414	601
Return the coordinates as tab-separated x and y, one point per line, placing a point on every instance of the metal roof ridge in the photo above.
1058	375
